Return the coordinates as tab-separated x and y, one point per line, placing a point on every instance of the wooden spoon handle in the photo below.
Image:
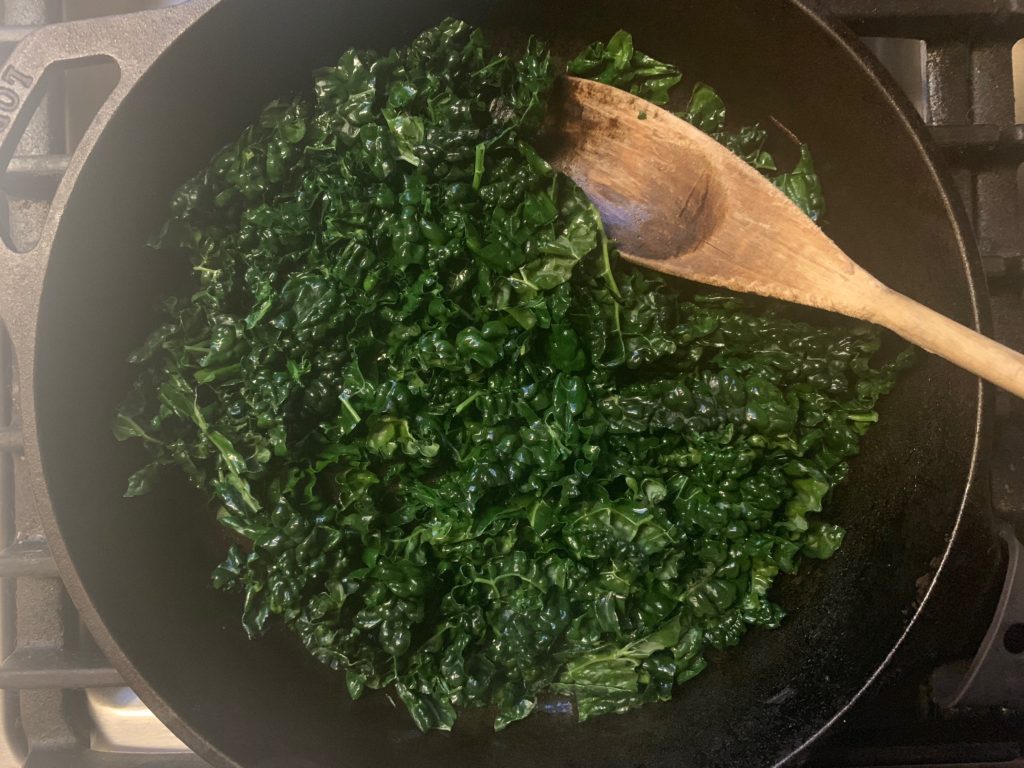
948	339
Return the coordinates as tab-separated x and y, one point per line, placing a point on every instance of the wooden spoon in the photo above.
678	202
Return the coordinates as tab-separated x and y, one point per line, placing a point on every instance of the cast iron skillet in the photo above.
192	77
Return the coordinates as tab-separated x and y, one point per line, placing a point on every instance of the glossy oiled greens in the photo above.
466	451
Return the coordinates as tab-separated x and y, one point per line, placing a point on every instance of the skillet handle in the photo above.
133	41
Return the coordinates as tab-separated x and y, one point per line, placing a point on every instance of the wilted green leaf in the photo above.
471	453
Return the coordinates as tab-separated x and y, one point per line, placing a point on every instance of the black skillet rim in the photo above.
849	43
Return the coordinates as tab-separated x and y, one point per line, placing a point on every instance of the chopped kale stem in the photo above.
465	450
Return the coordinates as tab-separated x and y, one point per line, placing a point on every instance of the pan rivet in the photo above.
1013	638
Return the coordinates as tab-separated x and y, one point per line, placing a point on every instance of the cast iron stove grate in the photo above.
49	661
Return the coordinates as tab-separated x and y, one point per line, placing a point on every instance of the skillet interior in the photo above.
144	565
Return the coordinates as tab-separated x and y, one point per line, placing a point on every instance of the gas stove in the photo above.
62	705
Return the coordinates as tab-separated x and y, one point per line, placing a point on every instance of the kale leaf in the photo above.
464	449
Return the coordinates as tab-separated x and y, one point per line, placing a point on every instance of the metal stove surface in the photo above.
62	705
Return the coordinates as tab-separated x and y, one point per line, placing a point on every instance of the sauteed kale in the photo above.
466	451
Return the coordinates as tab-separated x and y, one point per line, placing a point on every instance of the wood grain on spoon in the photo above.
678	202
